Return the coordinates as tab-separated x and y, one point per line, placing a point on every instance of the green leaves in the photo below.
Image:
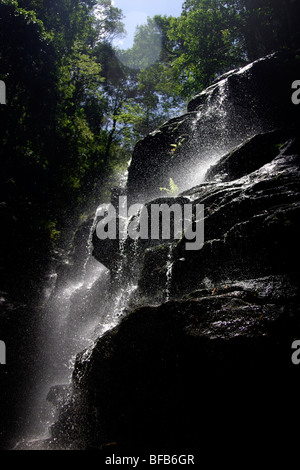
55	141
75	111
206	46
172	190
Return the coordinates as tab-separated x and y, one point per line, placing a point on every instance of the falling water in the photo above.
77	309
70	314
169	270
90	244
125	286
215	105
220	125
215	114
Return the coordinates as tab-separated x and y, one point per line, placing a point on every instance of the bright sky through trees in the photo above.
137	11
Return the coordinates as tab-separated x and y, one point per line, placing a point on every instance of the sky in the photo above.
137	11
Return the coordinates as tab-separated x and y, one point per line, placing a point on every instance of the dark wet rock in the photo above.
204	355
111	252
167	374
248	157
220	350
152	281
155	156
106	251
251	229
241	104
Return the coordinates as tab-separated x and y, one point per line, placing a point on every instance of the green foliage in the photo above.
107	21
172	190
213	36
208	44
175	148
75	111
151	100
54	143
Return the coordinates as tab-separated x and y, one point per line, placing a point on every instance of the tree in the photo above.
268	25
208	43
151	100
213	36
54	138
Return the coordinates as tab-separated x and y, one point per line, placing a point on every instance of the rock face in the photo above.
210	364
242	103
251	227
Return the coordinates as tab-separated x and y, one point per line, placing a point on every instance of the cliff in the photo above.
202	359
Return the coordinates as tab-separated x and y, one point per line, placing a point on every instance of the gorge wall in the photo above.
201	359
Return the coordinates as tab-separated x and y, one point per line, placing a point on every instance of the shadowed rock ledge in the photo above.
211	367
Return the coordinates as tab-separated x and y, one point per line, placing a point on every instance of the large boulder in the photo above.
251	225
218	353
239	105
190	374
247	157
203	359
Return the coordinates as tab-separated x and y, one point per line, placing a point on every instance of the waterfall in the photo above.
215	106
70	311
212	118
76	308
80	305
90	245
220	123
169	269
124	285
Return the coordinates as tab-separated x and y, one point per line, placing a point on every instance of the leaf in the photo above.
173	187
173	190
